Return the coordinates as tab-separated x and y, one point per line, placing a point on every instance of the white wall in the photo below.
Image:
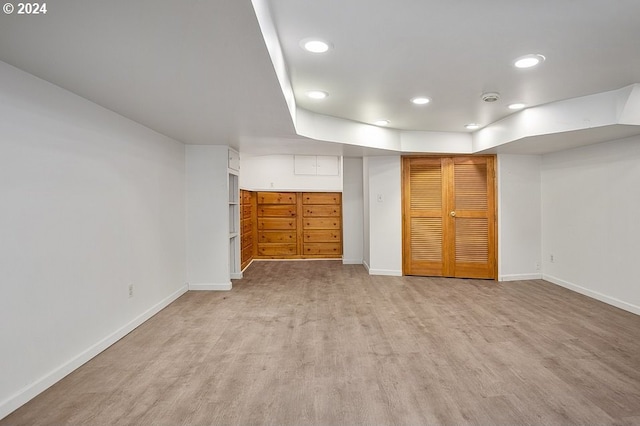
385	215
519	217
590	221
275	173
207	218
90	202
352	211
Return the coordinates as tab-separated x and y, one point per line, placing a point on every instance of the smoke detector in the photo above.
490	96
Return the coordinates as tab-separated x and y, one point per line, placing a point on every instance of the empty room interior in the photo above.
320	212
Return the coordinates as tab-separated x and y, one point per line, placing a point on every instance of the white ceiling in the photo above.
199	72
452	51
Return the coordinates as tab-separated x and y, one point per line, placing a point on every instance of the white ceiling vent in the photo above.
490	96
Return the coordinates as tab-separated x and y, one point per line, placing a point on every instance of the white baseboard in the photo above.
210	286
366	265
594	294
388	272
520	277
32	390
352	261
236	275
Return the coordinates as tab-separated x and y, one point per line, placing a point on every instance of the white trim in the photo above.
366	265
291	189
236	275
352	261
594	294
309	259
388	272
32	390
209	286
520	277
248	264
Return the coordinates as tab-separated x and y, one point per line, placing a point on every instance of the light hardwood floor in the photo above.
324	343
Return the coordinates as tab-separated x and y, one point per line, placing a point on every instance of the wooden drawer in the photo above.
322	248
319	210
276	249
321	197
276	210
275	223
246	212
246	255
246	240
246	227
322	236
245	196
276	197
321	223
277	237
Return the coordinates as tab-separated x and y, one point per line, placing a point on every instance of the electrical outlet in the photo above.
537	266
380	199
551	259
130	290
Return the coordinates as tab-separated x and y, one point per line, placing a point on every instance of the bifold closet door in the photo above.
472	216
449	216
423	228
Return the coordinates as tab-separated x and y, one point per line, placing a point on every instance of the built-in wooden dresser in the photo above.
298	225
277	218
322	224
247	213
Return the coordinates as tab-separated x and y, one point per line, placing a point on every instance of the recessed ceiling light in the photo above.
472	126
314	45
420	100
516	106
317	94
381	122
528	61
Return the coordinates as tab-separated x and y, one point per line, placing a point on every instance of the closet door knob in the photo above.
452	214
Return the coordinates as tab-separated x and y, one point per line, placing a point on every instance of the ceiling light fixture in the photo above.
529	61
472	126
516	106
314	45
317	94
381	122
420	100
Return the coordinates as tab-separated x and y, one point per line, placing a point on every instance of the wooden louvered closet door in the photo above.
424	201
449	216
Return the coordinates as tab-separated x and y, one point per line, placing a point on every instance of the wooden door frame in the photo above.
404	203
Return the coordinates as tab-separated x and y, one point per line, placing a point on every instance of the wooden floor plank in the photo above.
318	342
